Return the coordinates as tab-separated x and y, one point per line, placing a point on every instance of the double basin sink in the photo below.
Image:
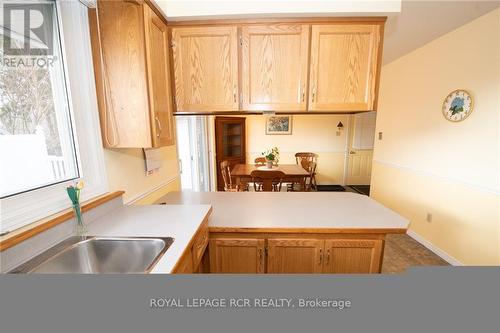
103	255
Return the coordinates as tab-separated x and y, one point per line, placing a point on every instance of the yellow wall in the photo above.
127	171
310	133
426	164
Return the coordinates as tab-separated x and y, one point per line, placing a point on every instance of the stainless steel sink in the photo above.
88	255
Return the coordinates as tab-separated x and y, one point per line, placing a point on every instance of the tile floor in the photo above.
402	252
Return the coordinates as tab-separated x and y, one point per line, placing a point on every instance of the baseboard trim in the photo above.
439	252
153	189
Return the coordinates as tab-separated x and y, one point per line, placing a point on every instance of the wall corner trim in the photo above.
445	256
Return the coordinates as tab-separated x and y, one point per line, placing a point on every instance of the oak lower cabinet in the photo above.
295	254
237	255
352	256
131	67
185	266
300	256
192	258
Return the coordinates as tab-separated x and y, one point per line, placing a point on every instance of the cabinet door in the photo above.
185	266
206	68
274	67
160	94
295	256
236	255
121	80
353	256
344	63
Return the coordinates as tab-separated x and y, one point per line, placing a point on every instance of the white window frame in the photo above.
23	209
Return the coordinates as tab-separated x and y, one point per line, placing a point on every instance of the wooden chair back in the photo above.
310	166
225	170
299	157
260	161
270	180
303	159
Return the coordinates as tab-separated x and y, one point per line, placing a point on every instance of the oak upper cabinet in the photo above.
295	256
352	256
274	66
344	67
205	68
237	255
160	93
129	48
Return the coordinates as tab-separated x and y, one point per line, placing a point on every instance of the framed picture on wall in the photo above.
278	125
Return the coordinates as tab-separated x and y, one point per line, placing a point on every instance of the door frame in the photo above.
196	157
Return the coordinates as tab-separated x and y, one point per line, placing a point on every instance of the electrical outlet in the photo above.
380	135
428	218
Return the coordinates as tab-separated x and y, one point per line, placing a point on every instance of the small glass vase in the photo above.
269	164
81	228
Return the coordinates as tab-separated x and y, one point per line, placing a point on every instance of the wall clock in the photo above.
457	105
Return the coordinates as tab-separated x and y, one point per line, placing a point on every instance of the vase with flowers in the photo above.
272	157
74	196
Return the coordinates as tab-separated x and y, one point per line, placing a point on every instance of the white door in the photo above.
360	155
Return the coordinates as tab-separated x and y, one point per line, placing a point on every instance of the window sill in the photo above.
17	236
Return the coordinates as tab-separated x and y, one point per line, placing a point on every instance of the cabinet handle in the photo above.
313	94
260	255
320	256
159	126
303	94
234	95
328	256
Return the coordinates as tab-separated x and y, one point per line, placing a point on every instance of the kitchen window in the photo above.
49	137
36	133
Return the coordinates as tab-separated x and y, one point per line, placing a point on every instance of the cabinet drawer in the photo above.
200	243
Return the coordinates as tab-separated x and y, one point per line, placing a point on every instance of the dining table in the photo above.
293	172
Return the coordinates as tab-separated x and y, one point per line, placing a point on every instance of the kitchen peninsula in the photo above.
293	232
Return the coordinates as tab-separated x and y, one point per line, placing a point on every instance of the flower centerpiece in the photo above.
272	157
74	196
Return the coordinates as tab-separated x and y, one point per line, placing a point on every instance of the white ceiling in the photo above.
423	21
189	9
410	24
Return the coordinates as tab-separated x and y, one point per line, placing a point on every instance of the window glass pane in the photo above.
36	141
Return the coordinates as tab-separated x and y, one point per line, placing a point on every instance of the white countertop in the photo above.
176	221
292	210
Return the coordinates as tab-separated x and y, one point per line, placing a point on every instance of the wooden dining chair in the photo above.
309	157
310	166
271	180
260	161
229	185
